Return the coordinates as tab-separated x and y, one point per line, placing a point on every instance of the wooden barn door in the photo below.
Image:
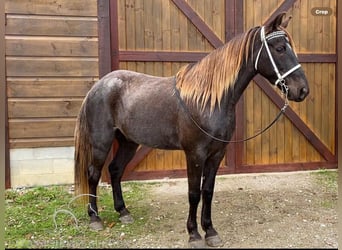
158	37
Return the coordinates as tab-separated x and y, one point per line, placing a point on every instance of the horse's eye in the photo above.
281	49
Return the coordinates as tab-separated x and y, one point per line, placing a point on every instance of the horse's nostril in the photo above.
303	93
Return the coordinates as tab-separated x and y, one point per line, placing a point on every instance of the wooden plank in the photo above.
310	112
333	108
166	37
104	49
218	18
51	66
115	23
51	46
161	56
257	125
296	156
282	167
157	25
42	142
273	135
48	87
130	25
326	124
198	22
5	151
52	7
265	121
317	57
316	86
249	124
41	128
186	56
303	114
43	107
35	25
288	142
139	25
157	41
180	173
148	24
231	19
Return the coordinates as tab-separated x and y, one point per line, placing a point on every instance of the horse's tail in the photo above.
83	152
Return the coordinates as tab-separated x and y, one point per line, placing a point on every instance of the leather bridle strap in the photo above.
281	77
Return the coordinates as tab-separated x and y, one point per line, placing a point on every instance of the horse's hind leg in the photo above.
100	152
124	154
94	177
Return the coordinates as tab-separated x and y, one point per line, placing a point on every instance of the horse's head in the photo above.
277	61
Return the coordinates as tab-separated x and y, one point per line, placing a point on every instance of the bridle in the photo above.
281	78
280	81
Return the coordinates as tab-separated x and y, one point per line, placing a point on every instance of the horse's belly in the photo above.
154	137
155	133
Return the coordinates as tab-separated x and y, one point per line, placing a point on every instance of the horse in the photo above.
170	113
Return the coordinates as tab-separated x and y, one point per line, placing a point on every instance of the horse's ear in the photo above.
279	21
286	22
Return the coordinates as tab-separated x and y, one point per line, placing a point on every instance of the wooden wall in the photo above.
51	62
284	143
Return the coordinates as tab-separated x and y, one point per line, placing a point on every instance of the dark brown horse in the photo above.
165	112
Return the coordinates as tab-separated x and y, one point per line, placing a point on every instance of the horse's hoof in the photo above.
96	225
214	241
198	243
126	219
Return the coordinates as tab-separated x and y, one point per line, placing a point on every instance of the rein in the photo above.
280	81
282	110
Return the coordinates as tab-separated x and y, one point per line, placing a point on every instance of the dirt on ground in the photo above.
282	210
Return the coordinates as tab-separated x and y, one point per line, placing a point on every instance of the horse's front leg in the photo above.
209	173
194	171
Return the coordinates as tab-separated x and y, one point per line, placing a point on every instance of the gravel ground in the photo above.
277	210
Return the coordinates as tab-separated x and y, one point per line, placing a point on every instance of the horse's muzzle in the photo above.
303	93
299	95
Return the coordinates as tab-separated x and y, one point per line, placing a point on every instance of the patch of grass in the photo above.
327	178
30	213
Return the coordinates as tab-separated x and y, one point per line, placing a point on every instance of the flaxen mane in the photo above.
208	79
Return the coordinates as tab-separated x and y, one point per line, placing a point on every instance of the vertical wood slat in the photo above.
114	34
233	26
104	32
4	127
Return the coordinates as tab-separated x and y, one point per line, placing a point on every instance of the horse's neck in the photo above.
245	76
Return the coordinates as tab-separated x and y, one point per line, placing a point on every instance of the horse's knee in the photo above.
194	197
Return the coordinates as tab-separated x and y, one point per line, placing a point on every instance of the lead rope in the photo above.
282	110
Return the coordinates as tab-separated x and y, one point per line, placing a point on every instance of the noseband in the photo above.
281	77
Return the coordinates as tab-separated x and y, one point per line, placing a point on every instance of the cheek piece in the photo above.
281	77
